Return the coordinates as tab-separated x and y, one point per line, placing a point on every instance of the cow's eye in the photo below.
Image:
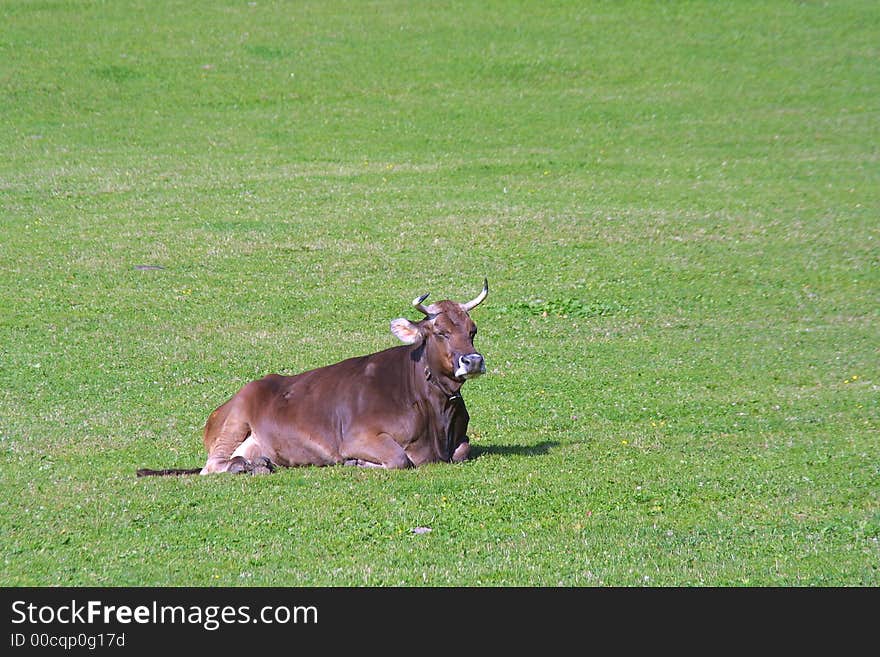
443	335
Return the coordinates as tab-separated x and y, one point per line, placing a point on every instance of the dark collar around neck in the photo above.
451	394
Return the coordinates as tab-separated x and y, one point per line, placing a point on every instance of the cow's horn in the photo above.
417	304
470	305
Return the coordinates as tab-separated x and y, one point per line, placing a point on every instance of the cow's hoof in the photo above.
262	465
238	465
462	452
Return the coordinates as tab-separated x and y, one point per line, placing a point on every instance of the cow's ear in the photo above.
405	330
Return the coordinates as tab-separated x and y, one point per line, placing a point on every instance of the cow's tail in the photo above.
145	472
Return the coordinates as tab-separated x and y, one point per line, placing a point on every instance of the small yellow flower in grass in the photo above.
624	442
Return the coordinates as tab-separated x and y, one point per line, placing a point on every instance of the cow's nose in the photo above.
473	363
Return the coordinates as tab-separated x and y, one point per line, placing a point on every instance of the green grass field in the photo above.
676	206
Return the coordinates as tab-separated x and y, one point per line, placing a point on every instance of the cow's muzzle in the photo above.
470	366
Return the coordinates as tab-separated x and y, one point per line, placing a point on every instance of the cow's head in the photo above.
447	333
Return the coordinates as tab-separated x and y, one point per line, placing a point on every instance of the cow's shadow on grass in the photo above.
537	449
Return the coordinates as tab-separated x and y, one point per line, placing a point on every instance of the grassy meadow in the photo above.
675	204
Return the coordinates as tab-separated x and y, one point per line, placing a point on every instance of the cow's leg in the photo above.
462	452
257	462
361	463
248	458
250	449
225	432
375	450
215	464
239	465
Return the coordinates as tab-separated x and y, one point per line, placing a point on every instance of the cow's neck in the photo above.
450	389
447	424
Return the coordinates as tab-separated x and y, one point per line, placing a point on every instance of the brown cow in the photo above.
396	408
